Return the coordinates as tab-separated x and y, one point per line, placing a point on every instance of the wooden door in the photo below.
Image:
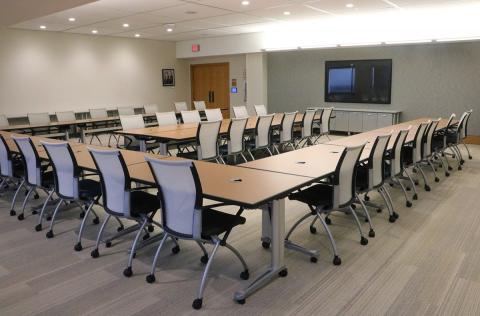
210	83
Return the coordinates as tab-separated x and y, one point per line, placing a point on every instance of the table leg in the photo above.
277	266
162	149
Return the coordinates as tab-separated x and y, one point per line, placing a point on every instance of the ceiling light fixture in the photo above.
169	29
137	35
94	31
245	2
349	5
72	19
126	25
43	27
286	13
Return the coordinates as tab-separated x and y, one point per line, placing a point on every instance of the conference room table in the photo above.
188	132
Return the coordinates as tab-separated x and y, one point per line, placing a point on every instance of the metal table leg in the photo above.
162	149
143	145
277	266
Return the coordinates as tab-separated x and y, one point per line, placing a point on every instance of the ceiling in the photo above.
192	19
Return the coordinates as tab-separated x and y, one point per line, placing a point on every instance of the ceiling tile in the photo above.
236	5
189	11
234	19
137	6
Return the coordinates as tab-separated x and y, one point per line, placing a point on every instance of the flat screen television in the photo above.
358	81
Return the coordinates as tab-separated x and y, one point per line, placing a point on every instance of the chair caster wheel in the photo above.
427	188
395	214
146	236
416	182
96	221
197	303
391	184
363	241
470	157
447	174
392	219
36	197
313	230
108	244
13	213
49	234
313	259
95	253
366	198
283	273
151	228
245	275
78	247
120	228
328	221
175	250
38	227
379	210
371	233
366	220
21	217
408	189
450	168
337	261
437	179
409	204
462	162
265	244
34	212
204	259
82	215
150	278
241	302
415	196
128	272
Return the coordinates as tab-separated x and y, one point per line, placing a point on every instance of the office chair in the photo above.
190	116
185	217
120	200
240	111
428	153
213	114
166	118
412	155
262	139
260	110
11	171
150	108
439	146
235	145
65	116
130	122
324	198
127	110
206	143
285	138
180	106
3	121
302	138
199	105
324	129
70	187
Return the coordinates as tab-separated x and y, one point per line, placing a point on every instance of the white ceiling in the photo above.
194	19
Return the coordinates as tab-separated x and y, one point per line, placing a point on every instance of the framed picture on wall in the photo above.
168	77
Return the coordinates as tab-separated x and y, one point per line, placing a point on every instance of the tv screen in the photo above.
358	81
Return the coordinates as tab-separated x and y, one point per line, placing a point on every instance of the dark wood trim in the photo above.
472	139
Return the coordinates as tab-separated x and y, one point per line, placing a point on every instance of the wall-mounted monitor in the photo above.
358	81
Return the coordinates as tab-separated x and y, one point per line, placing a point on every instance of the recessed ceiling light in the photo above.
126	25
190	12
137	35
245	2
286	13
71	19
349	5
43	27
94	31
169	29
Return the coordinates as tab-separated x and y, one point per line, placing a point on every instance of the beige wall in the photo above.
428	80
47	72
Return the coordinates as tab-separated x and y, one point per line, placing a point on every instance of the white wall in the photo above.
47	72
427	80
257	80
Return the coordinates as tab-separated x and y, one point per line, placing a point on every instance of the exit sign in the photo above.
195	48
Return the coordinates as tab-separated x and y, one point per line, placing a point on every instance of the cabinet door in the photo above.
369	121
355	122
384	119
341	121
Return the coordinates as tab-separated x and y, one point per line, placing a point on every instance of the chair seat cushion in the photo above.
188	155
143	203
89	189
215	222
316	195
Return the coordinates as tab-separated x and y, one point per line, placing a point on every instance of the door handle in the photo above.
213	96
209	96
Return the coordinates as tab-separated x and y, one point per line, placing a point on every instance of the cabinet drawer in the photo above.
369	121
384	119
355	122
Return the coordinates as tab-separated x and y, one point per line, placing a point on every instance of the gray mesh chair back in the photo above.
98	113
6	165
127	110
114	179
150	108
307	123
199	105
260	109
65	169
418	142
286	131
166	118
3	121
326	115
65	116
240	111
190	116
376	161
38	118
262	131
236	130
213	115
465	125
132	121
207	140
460	126
31	161
344	182
396	155
427	144
181	106
181	199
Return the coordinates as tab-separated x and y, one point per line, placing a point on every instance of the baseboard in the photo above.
472	140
